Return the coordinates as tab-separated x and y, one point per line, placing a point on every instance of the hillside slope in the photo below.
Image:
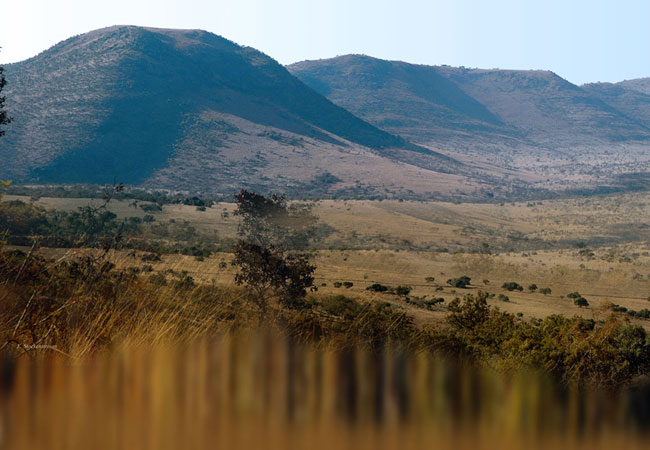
411	100
431	103
631	97
170	108
640	85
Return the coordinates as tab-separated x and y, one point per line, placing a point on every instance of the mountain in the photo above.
437	105
632	97
641	85
411	100
187	109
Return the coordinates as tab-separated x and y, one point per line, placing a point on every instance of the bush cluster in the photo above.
573	349
512	286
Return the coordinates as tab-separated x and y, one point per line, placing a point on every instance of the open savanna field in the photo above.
597	246
127	316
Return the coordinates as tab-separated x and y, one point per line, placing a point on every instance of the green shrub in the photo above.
642	314
512	286
581	302
376	287
461	282
403	291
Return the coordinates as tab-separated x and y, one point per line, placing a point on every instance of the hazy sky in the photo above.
581	40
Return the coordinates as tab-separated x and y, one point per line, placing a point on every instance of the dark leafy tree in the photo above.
461	282
512	286
272	231
403	291
5	119
268	271
267	221
581	302
376	287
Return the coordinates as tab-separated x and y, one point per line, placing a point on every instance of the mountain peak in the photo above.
174	108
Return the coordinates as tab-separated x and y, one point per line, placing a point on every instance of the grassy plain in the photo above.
148	364
598	246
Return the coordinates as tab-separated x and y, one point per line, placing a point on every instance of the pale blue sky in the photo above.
581	40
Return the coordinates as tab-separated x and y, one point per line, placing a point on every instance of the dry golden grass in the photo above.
255	391
543	234
596	281
602	219
163	381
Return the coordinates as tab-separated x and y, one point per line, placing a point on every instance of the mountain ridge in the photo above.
528	105
120	102
190	110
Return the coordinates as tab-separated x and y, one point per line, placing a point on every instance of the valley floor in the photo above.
597	246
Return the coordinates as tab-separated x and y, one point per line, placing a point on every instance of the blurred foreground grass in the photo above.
258	390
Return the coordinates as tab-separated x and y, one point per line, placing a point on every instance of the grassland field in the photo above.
598	246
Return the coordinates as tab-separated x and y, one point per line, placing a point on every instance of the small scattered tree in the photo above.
532	287
403	291
512	286
267	271
5	119
270	221
581	302
376	287
461	282
271	231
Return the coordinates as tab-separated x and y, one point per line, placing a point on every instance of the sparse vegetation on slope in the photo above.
116	117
